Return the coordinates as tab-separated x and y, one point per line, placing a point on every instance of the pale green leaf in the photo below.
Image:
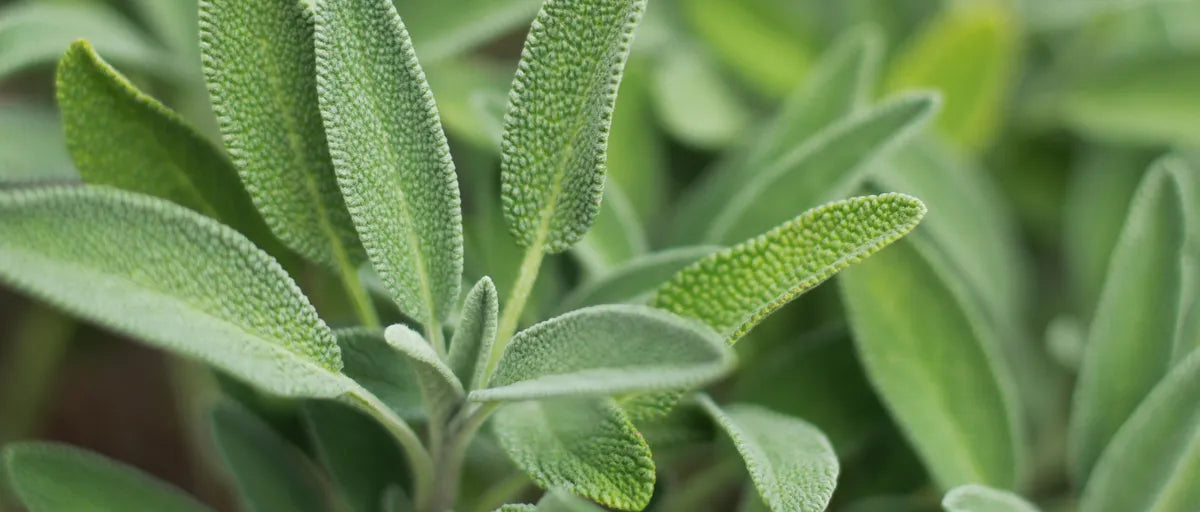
441	391
199	289
693	100
359	455
636	279
31	146
472	341
637	160
374	365
259	67
791	463
1153	461
50	477
759	40
558	500
978	498
517	507
585	446
559	114
607	350
617	235
929	356
734	289
390	154
449	27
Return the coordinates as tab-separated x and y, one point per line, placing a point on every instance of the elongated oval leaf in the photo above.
559	113
694	101
791	463
586	446
390	154
199	288
734	289
758	40
472	341
259	67
607	350
637	279
440	389
978	498
50	477
384	372
936	368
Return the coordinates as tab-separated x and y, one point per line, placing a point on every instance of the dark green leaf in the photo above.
381	370
358	453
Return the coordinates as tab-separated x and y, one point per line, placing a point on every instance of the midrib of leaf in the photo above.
1166	496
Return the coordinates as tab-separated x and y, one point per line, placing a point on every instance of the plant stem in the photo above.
515	304
419	460
450	458
357	293
433	331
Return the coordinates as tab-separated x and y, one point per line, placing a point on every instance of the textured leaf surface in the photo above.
51	477
472	341
736	288
390	154
607	350
559	113
259	67
31	146
585	446
440	389
384	372
1153	461
978	498
791	463
358	454
200	289
635	280
937	370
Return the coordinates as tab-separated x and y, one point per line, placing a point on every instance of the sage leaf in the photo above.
558	500
441	30
390	154
585	446
559	113
616	236
50	477
791	463
935	365
517	507
440	389
637	159
978	498
359	455
635	280
1153	461
607	350
384	372
693	100
31	146
200	289
259	69
734	289
472	341
758	40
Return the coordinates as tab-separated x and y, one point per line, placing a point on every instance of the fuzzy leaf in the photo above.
381	370
586	446
200	289
390	154
978	498
1153	461
472	341
559	113
734	289
259	67
31	146
791	463
50	477
440	389
607	350
936	367
356	451
635	280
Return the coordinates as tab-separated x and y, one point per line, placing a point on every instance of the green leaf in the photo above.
199	289
390	154
174	23
938	370
517	507
559	113
827	166
637	159
259	67
734	289
978	498
357	452
381	370
269	473
607	350
1133	332
450	27
791	463
472	341
31	146
441	391
969	53
636	279
1153	461
558	500
760	41
617	235
585	446
50	477
692	98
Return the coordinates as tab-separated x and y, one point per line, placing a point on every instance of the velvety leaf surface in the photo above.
791	463
559	113
381	370
472	341
200	289
50	477
390	154
440	389
357	453
607	350
586	446
978	498
635	280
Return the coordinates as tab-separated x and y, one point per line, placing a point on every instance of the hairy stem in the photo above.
450	457
419	460
515	305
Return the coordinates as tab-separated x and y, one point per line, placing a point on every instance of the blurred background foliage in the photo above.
1050	113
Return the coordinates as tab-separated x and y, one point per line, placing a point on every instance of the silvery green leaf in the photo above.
559	113
472	341
358	454
390	154
791	463
200	289
979	498
440	389
50	477
31	146
617	235
374	365
636	279
607	350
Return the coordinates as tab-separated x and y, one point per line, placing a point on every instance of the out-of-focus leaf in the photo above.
978	498
636	159
476	332
635	280
174	23
616	237
472	95
360	456
32	147
693	100
558	500
762	41
1065	339
449	27
382	371
441	391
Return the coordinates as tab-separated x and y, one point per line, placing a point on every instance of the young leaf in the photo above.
390	154
199	289
472	341
374	365
935	366
791	463
50	477
635	280
358	453
440	389
1153	461
978	498
559	113
734	289
607	350
259	68
586	446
